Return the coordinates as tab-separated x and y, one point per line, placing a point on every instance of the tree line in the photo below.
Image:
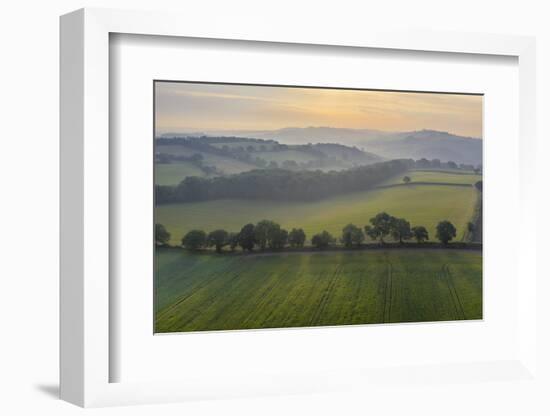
268	234
279	184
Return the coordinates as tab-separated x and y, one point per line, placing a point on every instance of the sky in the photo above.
188	107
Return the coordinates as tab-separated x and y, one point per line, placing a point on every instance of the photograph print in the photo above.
287	206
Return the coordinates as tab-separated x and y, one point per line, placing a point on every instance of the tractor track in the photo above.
447	277
388	293
326	295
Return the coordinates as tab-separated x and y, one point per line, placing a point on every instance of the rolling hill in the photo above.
231	155
429	144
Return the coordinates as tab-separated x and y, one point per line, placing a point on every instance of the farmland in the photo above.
226	165
435	176
208	292
419	204
173	173
279	207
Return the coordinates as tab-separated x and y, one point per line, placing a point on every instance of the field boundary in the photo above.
412	183
458	245
447	171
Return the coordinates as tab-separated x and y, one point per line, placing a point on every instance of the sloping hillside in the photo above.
429	144
229	155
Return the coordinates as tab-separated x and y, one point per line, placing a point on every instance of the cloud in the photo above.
184	106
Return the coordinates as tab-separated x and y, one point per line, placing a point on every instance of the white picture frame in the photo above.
85	209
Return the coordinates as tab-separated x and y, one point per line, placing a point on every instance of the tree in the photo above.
420	233
452	164
381	226
406	179
423	163
445	231
471	227
290	164
218	239
194	240
322	240
197	157
264	231
162	236
296	237
352	235
233	240
247	238
479	186
260	162
400	229
372	232
278	238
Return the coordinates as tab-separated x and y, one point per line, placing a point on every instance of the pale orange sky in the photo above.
186	107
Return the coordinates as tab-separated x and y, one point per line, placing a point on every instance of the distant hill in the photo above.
220	155
352	155
429	144
295	135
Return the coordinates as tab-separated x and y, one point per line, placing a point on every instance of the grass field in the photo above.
226	164
174	173
419	204
221	292
436	177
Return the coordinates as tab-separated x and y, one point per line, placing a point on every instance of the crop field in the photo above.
419	204
436	177
202	292
174	173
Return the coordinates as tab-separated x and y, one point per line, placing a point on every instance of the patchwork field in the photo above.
419	204
220	292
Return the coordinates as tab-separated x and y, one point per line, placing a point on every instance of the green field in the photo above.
174	173
227	165
420	204
220	292
436	177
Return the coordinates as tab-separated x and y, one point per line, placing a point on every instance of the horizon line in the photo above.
190	130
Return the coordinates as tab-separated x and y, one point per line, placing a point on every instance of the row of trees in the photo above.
278	184
438	164
268	234
265	234
383	225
